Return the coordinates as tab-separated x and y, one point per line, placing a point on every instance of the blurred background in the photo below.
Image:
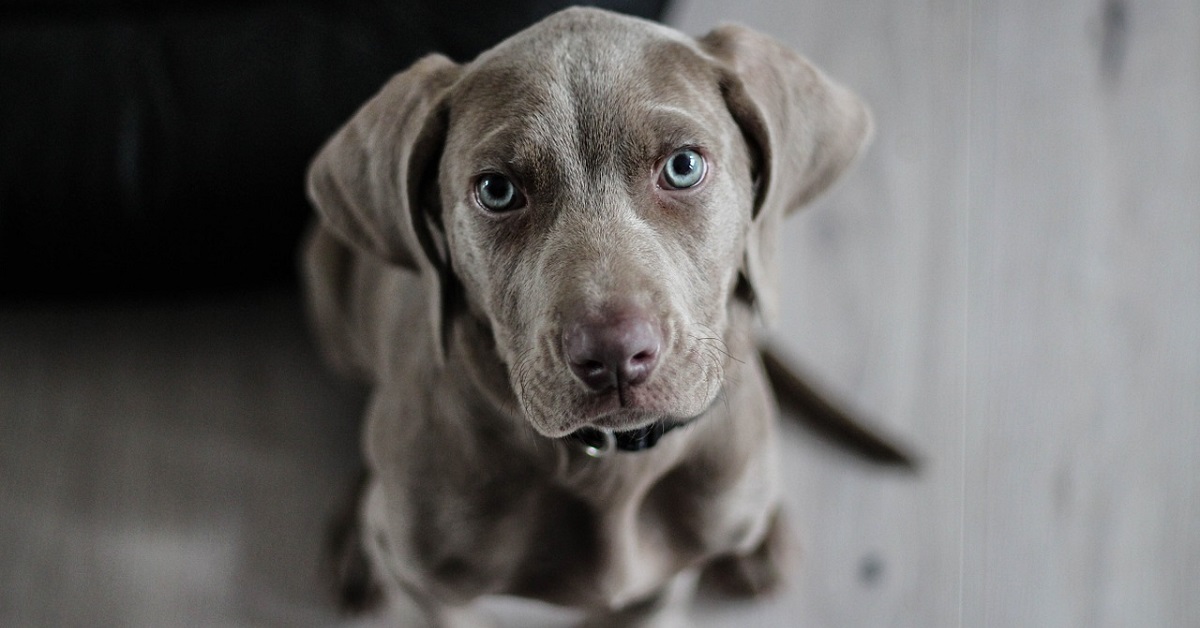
1009	282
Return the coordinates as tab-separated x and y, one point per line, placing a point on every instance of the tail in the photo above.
817	413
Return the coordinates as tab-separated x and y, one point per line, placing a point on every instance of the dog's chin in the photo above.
627	420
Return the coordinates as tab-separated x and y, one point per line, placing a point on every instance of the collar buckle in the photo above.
598	443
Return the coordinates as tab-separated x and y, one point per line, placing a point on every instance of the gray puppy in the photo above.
548	263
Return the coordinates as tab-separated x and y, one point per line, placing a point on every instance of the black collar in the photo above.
598	442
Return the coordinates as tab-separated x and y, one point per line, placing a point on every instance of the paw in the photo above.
667	608
354	586
757	574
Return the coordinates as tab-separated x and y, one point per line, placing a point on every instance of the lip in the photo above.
606	411
625	419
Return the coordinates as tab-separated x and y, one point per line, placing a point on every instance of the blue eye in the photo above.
497	193
683	169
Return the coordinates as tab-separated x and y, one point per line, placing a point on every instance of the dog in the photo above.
549	265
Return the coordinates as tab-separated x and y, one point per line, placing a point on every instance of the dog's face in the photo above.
595	183
593	189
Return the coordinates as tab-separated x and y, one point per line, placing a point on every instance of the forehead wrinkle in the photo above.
672	128
519	121
636	101
508	146
668	114
492	139
608	130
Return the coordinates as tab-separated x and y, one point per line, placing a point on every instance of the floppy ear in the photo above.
804	130
374	182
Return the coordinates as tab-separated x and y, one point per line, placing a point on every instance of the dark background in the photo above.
160	147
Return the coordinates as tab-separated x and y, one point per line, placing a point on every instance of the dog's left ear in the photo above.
374	182
804	131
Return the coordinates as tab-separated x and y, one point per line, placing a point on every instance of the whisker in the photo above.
713	337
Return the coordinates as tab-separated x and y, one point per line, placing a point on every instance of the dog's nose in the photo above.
616	351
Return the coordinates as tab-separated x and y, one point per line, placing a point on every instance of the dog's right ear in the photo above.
370	182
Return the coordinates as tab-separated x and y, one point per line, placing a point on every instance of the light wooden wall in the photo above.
1011	280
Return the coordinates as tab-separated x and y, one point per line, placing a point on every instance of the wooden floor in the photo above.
1009	281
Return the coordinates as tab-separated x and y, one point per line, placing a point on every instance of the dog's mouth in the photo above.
613	432
621	409
626	419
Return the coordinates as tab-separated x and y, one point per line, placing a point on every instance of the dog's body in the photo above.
610	285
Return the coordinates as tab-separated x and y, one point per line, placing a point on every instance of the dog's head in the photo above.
599	191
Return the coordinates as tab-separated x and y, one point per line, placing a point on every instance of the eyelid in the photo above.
667	152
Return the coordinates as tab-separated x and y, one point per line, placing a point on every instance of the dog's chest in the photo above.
603	542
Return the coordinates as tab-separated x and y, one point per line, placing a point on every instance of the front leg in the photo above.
407	601
354	585
757	573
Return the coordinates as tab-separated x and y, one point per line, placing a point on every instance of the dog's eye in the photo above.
683	169
497	193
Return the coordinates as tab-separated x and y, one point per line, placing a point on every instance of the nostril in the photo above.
639	366
644	357
591	367
594	374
